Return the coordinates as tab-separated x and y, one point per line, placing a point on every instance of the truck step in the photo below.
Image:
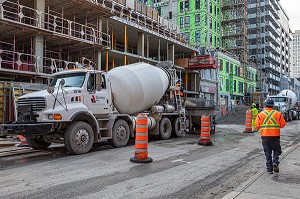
103	129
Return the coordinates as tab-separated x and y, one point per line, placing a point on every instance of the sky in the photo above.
292	8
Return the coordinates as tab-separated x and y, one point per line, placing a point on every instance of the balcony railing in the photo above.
19	14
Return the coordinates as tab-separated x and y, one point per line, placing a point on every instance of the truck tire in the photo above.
176	127
79	138
37	143
165	128
120	133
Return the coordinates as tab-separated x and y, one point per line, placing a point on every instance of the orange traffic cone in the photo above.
141	141
23	141
248	128
205	131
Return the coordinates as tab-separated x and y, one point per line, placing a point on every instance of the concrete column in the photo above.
158	53
147	53
171	52
38	40
99	59
141	44
38	51
40	6
99	53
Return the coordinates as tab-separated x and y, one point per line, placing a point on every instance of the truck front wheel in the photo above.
165	128
37	143
120	133
79	138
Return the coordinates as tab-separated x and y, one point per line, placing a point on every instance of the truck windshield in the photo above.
279	99
71	80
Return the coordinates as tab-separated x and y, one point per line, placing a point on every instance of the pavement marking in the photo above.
180	160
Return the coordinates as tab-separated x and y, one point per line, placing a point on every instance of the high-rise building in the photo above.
268	36
295	54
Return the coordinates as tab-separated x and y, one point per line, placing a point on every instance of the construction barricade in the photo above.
205	131
248	128
141	141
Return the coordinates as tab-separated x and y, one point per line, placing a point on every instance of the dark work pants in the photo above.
269	147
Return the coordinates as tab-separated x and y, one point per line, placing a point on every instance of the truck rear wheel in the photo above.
165	128
120	133
79	138
37	143
176	127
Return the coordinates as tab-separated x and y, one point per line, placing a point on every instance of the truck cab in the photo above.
76	110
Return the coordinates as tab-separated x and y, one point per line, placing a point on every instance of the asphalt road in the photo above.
180	169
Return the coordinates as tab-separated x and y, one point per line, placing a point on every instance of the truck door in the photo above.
97	98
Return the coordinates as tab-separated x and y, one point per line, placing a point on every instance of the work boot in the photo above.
276	168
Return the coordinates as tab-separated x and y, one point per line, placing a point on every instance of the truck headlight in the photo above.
50	116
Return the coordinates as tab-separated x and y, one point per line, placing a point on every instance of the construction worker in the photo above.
254	115
179	88
269	122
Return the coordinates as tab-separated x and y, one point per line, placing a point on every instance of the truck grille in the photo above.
37	103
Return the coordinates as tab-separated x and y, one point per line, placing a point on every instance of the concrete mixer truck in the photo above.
285	101
81	107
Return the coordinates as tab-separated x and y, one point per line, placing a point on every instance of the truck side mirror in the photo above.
50	89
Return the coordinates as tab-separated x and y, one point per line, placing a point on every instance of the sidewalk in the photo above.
285	184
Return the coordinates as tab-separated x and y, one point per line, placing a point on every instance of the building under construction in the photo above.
234	25
41	37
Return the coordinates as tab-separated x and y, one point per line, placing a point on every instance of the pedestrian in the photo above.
254	115
269	123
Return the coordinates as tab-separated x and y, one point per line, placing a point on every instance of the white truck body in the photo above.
284	102
82	107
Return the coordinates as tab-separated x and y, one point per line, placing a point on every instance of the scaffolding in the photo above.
234	24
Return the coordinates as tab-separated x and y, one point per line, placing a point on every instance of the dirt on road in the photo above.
236	116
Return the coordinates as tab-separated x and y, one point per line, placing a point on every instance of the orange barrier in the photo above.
248	128
23	141
141	141
205	131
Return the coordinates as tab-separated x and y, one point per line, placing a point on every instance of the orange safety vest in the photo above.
269	122
178	91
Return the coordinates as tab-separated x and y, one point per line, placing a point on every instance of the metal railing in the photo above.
17	13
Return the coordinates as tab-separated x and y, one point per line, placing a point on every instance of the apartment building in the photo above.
295	55
268	38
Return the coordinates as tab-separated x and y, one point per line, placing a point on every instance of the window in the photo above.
204	19
234	86
231	68
181	6
197	4
187	37
227	84
181	22
197	20
227	67
187	21
197	35
187	5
